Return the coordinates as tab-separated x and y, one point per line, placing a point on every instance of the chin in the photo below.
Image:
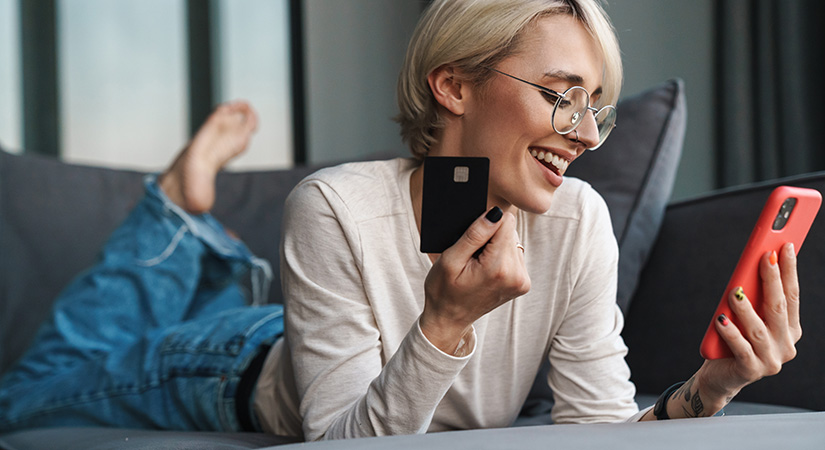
539	204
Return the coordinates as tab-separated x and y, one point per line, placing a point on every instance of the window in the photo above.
122	72
121	81
10	108
253	64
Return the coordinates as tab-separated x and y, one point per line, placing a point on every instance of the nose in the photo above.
587	132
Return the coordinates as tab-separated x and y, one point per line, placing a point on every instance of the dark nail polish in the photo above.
722	319
495	214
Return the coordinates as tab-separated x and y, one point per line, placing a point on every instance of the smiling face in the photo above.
510	122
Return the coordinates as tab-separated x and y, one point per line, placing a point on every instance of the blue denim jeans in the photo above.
156	335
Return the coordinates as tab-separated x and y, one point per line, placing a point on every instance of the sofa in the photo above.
674	264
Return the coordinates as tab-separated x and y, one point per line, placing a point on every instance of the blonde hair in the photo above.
471	34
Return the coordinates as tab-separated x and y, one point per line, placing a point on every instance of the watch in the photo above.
660	410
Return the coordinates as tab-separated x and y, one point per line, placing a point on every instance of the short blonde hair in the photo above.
471	34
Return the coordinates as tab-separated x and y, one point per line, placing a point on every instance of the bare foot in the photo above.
190	180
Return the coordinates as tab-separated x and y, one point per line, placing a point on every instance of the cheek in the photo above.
506	123
516	120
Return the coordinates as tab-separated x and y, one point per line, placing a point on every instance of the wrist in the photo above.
715	395
445	334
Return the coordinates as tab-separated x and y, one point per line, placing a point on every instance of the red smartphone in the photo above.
787	216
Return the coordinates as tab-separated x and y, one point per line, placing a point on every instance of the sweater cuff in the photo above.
466	347
638	416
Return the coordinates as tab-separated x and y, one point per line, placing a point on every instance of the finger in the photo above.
503	260
519	246
505	237
503	247
790	282
738	345
476	236
774	305
749	323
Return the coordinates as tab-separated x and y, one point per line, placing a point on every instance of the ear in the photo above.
448	89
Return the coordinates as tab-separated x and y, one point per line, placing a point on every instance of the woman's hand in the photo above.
760	347
461	288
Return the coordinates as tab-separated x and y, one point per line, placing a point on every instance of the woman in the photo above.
381	339
384	340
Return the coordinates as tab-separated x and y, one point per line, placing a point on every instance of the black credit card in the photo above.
455	194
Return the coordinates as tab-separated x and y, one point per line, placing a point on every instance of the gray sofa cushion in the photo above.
51	225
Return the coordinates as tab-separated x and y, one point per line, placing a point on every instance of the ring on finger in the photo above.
520	247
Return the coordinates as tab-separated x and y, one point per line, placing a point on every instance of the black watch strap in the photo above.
660	410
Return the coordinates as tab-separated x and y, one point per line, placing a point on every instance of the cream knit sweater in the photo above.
354	362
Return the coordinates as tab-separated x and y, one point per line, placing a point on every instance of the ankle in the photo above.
171	187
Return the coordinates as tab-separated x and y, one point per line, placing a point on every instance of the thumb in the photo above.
477	235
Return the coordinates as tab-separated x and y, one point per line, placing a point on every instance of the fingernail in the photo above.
723	319
495	214
772	258
791	250
739	293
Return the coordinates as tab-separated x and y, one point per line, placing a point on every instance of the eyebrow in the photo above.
559	74
571	78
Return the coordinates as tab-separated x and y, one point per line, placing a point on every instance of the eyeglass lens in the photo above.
571	109
605	120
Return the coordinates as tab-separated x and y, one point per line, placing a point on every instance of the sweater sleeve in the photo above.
589	376
345	387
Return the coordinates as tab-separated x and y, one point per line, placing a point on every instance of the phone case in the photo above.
455	194
763	239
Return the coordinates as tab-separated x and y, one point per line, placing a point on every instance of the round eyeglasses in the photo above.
570	107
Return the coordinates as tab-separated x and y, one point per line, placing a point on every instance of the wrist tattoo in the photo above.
691	398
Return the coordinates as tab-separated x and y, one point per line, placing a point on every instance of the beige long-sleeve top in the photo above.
354	361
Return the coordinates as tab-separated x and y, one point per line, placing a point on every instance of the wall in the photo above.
353	53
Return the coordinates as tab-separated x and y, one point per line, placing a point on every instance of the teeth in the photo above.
559	163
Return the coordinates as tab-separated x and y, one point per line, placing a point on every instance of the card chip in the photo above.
461	174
